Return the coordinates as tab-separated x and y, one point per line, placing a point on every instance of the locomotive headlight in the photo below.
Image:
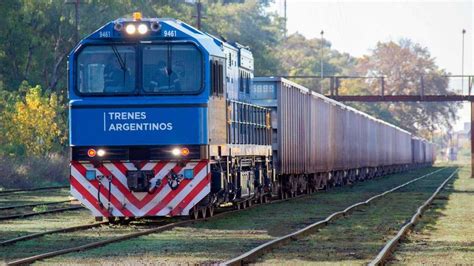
131	29
180	151
142	29
176	152
101	152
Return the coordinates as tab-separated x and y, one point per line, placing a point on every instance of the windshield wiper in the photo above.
122	63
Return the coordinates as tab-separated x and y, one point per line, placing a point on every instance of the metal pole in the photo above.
284	14
76	17
198	15
76	9
462	60
322	64
472	138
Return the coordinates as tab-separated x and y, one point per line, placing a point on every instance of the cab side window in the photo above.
217	77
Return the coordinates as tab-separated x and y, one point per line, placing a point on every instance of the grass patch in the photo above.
445	234
41	208
32	172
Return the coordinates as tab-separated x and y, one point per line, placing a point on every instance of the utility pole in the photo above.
76	14
198	15
322	63
284	15
462	60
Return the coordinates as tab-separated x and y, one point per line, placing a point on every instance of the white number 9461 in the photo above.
169	33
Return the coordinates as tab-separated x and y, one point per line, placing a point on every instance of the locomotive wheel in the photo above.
194	213
281	194
210	210
203	212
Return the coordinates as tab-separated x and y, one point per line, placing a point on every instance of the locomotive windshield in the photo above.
106	69
166	69
172	69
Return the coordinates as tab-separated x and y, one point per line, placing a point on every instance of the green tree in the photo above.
32	123
404	65
300	56
248	24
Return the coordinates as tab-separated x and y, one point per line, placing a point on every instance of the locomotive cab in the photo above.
153	130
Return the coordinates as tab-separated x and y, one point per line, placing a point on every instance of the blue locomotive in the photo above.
166	120
159	125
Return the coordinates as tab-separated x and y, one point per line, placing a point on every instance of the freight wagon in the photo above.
165	121
322	142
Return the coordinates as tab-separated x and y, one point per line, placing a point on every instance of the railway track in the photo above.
12	191
33	205
27	210
255	253
387	251
33	213
167	226
103	242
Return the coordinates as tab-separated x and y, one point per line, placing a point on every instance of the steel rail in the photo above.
61	230
138	234
256	252
3	192
391	245
29	214
33	205
111	240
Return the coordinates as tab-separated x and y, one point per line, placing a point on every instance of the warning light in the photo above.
180	151
185	151
137	16
91	153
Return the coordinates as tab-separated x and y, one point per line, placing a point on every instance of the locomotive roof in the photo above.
178	29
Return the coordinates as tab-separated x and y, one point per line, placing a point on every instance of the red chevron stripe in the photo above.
121	167
85	193
170	196
196	190
134	200
104	191
131	198
142	164
121	187
159	166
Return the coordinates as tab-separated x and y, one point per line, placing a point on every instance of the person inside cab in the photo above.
165	79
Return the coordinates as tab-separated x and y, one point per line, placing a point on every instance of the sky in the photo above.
356	26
